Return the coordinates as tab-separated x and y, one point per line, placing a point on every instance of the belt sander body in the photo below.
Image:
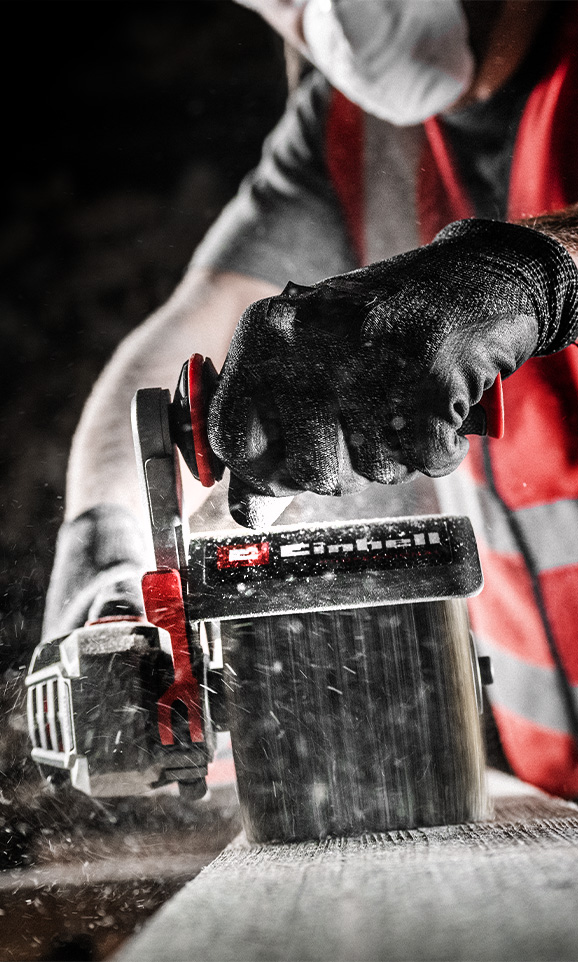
338	656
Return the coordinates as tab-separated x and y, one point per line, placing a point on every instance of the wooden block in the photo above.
352	721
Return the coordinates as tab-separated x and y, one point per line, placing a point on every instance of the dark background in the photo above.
126	128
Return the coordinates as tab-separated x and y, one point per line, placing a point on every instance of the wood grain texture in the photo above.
500	890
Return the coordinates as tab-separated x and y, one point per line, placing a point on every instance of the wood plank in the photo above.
505	889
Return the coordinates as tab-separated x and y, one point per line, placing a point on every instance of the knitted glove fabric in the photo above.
370	375
100	559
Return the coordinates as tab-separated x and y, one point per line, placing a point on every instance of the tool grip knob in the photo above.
188	419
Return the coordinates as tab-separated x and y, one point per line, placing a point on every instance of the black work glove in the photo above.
370	375
100	559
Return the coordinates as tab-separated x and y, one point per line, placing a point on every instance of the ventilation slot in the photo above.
49	715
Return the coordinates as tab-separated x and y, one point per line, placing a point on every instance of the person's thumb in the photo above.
253	510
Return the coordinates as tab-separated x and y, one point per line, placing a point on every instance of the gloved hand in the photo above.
370	375
100	559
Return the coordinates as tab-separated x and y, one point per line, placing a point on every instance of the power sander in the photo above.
338	656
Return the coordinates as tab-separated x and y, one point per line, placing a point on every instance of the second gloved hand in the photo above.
369	376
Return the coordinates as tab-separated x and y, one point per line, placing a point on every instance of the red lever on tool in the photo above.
163	601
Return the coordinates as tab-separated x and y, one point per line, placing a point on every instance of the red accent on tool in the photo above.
243	555
163	600
198	405
492	402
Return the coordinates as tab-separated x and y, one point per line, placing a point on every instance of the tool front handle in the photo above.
196	387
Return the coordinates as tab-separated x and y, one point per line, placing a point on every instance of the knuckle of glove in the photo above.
437	449
376	464
322	468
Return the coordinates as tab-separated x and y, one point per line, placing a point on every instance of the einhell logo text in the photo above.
260	553
359	547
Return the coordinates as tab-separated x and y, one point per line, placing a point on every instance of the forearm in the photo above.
201	316
561	225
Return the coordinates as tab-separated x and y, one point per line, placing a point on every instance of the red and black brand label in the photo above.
311	552
242	555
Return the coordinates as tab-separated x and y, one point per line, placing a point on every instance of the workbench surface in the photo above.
505	889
